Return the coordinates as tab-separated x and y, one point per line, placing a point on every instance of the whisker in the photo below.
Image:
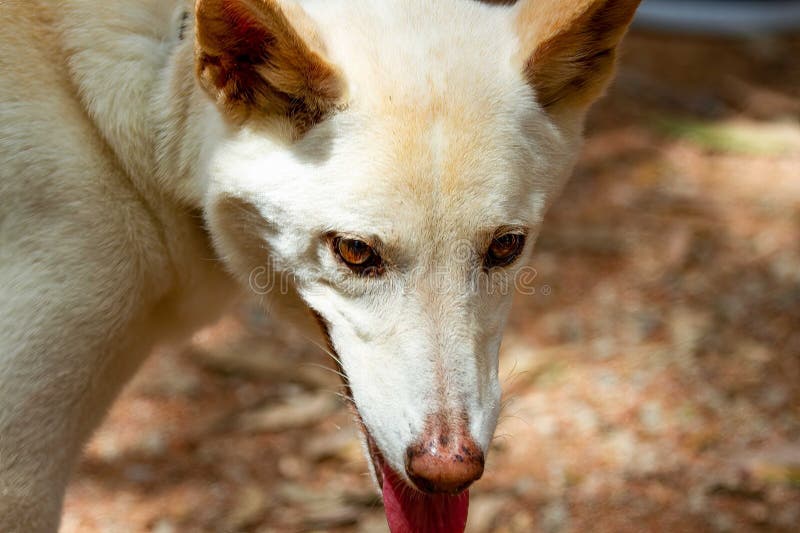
341	395
511	372
324	349
327	368
508	400
506	417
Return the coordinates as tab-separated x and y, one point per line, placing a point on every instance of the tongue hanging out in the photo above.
410	511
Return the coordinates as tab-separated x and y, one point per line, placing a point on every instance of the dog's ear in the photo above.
569	48
263	58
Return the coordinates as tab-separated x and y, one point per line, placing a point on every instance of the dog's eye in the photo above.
357	255
504	250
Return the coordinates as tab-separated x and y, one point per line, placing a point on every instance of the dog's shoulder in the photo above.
73	116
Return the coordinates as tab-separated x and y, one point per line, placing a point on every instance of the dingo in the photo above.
395	158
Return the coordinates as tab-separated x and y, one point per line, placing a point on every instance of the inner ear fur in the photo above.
570	47
263	58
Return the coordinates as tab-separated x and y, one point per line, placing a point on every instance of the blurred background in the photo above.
652	381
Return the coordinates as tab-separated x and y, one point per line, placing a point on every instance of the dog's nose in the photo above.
444	462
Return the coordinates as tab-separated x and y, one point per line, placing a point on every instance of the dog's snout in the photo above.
444	462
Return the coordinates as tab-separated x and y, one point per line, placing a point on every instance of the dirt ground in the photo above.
653	379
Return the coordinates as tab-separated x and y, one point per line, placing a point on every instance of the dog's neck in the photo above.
182	115
141	94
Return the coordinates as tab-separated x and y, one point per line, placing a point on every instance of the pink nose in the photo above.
444	462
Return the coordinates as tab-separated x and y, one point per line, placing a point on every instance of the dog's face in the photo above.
395	162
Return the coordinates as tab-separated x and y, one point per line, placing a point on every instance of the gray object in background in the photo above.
721	17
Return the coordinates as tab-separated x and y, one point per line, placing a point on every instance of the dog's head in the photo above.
397	158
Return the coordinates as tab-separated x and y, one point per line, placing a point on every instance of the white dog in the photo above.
392	159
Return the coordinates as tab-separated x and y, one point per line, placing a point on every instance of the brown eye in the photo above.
357	255
504	249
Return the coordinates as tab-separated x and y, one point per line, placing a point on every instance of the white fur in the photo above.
401	59
109	147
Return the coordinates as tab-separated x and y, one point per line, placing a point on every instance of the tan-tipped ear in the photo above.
256	57
569	47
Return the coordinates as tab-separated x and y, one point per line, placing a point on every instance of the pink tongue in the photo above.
409	511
